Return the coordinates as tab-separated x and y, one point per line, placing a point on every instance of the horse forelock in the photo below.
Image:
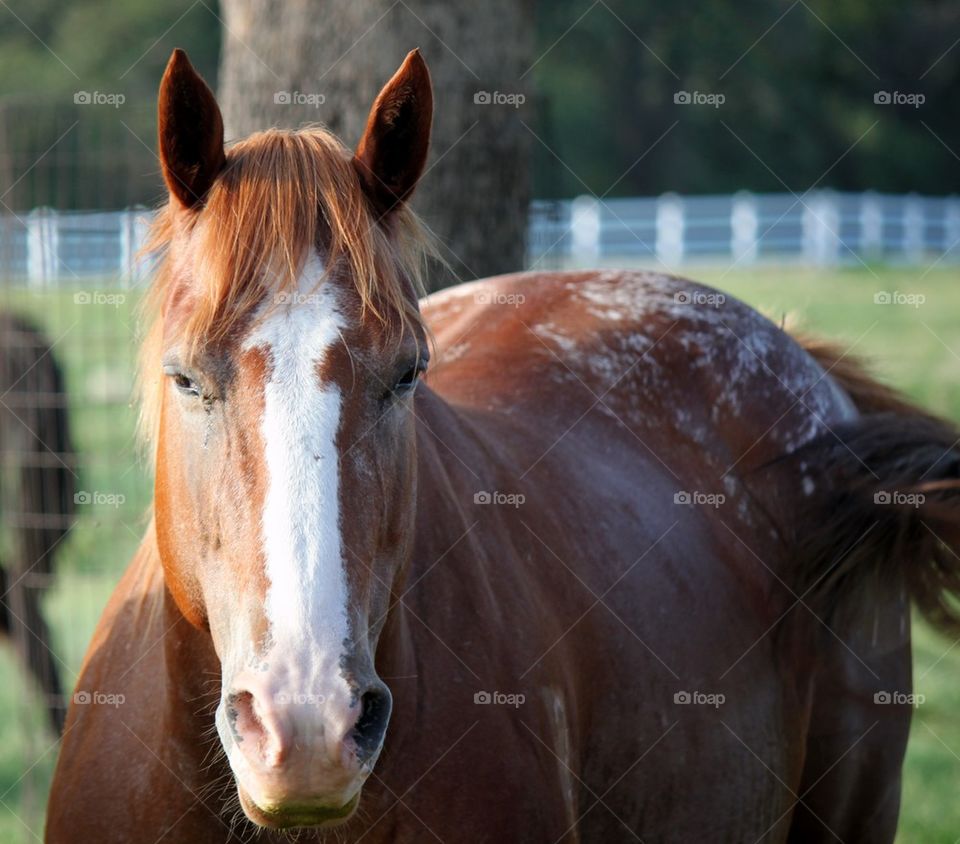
283	196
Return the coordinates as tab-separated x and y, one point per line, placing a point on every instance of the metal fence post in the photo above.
670	229
871	226
744	226
913	229
585	229
951	224
821	225
133	235
43	246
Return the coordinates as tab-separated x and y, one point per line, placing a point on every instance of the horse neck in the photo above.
455	459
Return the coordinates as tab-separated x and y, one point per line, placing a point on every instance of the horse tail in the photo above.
884	515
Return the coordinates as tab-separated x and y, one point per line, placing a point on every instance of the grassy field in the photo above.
915	346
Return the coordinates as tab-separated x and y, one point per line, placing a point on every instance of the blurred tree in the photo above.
325	60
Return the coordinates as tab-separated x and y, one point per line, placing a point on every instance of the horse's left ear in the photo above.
190	130
393	150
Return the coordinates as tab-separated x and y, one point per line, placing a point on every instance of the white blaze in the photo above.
306	601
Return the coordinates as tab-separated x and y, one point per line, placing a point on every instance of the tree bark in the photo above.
301	61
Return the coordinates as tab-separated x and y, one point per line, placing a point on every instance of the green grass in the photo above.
917	349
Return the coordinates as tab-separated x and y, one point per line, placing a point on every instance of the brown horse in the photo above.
605	572
36	497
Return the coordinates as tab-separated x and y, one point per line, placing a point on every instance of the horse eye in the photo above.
186	385
409	379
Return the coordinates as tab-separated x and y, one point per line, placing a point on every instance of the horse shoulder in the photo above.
112	724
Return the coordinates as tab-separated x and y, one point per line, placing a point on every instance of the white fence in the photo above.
47	247
822	228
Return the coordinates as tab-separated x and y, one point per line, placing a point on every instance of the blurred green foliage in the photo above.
54	151
798	78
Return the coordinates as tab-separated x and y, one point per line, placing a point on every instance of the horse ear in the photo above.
190	131
393	150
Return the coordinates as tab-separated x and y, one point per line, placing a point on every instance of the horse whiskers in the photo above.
216	755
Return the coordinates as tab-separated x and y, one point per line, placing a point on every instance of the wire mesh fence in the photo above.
72	499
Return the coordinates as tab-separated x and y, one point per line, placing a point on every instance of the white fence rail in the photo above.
821	228
47	247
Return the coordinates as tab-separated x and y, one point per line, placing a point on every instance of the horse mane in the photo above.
281	194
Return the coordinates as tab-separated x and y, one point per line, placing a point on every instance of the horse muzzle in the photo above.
300	759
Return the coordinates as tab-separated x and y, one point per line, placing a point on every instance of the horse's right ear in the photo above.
393	150
190	131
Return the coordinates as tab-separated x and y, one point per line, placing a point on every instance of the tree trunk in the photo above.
325	60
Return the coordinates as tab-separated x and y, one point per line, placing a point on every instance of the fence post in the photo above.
133	234
43	246
871	226
744	226
951	225
821	223
585	227
913	227
670	229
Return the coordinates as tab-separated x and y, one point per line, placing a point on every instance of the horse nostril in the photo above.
242	713
368	732
248	727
